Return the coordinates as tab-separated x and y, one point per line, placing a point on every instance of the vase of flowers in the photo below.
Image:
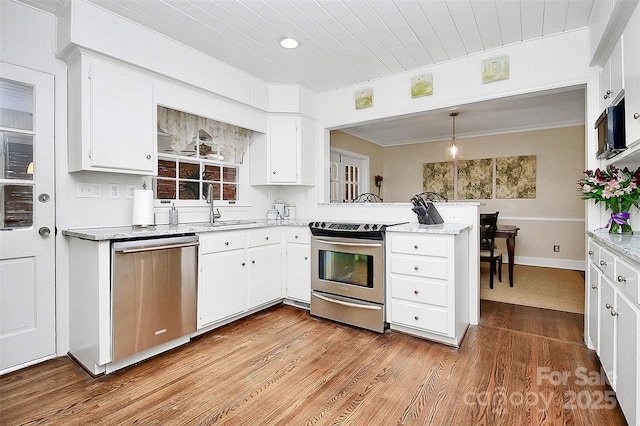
377	179
617	189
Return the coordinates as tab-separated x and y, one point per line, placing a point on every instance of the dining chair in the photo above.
367	197
488	250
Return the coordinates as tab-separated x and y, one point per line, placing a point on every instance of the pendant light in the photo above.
454	147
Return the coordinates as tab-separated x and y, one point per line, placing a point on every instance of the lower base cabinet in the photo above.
223	289
428	285
298	264
612	323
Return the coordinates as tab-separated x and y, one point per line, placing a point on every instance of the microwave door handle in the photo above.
351	305
338	243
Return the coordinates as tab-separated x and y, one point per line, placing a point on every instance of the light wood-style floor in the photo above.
284	367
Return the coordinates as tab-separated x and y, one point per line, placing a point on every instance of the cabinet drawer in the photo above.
420	290
593	252
298	235
422	245
213	242
424	317
606	263
627	279
426	267
264	237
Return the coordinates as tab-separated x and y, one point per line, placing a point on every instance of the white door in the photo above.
27	242
349	176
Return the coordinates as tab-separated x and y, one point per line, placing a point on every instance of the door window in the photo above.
16	155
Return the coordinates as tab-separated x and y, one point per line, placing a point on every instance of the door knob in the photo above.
44	231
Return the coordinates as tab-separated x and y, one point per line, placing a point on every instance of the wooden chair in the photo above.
488	250
367	197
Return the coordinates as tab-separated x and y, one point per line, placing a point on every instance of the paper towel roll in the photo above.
143	207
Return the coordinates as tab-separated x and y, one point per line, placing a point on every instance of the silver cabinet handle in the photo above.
351	305
593	286
266	238
608	306
243	263
296	237
416	318
44	231
621	279
636	115
253	261
306	258
614	313
226	243
148	157
415	247
415	291
415	267
590	253
603	263
608	94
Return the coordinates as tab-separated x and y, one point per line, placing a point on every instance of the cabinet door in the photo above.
223	290
122	121
593	316
299	272
627	358
264	276
631	37
607	330
283	146
605	86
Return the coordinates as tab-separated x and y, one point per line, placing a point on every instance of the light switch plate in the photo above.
88	190
114	190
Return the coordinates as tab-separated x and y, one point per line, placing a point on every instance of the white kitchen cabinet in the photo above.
112	118
427	285
618	324
222	290
284	156
631	38
298	264
264	261
593	301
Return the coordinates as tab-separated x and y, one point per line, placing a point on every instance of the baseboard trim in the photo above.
578	265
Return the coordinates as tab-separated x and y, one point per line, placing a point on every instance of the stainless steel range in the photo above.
347	273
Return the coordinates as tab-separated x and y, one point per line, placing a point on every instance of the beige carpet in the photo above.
550	288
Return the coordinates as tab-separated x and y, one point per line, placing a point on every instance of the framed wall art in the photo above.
364	98
495	69
422	85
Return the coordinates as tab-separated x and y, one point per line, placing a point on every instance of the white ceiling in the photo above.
349	42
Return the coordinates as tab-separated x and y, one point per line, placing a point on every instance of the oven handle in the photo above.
349	244
351	305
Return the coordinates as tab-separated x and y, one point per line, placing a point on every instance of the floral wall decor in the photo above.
495	69
516	177
422	85
364	98
475	179
439	178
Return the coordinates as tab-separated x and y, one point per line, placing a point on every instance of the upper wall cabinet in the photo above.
631	39
284	155
112	118
612	78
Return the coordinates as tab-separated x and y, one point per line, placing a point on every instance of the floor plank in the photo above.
284	367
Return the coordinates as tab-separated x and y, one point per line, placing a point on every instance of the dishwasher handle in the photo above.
151	248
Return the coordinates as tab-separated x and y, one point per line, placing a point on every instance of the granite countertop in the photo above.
627	245
445	228
124	232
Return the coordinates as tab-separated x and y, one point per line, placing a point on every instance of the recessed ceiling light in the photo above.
289	43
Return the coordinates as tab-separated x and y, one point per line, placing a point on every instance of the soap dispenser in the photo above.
173	215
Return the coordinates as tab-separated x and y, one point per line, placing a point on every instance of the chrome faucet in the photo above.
212	215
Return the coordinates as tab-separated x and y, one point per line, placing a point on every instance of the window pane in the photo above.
167	168
212	173
229	191
16	208
189	190
190	171
16	156
229	174
165	189
16	105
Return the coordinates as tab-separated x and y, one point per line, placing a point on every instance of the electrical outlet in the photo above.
556	248
114	190
130	190
88	190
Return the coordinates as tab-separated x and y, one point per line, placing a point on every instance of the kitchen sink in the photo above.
220	223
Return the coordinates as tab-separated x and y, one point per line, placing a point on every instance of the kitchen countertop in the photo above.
445	228
127	232
627	245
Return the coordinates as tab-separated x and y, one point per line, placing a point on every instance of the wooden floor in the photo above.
284	367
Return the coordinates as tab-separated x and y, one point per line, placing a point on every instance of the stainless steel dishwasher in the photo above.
154	292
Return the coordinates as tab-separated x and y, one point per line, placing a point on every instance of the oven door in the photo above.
349	267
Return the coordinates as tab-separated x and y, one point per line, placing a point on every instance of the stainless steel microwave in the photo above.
611	134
